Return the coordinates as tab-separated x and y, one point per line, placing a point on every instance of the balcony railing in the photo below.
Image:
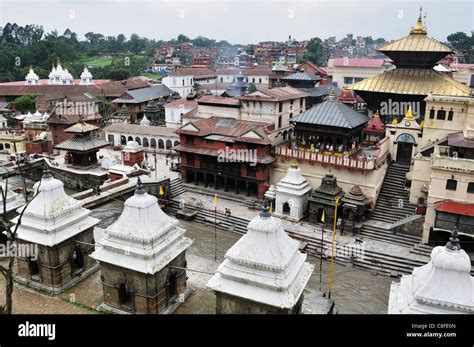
354	159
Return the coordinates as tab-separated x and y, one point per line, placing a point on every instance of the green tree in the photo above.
25	103
315	51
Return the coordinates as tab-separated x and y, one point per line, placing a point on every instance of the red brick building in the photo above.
226	154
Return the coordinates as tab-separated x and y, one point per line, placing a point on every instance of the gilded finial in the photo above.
395	121
409	114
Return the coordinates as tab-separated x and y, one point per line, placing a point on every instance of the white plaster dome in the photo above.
86	74
293	175
452	260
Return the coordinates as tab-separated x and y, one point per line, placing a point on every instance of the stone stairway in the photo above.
389	265
392	203
176	187
377	233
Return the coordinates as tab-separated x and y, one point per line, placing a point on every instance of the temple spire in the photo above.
265	212
46	171
453	243
139	190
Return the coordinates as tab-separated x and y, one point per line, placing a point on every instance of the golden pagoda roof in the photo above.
416	41
412	82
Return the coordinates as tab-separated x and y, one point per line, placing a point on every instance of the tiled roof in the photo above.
230	129
187	104
81	127
193	71
275	94
210	99
82	144
332	113
412	82
144	94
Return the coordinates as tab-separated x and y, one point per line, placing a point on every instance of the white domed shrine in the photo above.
263	272
443	286
31	78
142	247
292	194
63	231
86	77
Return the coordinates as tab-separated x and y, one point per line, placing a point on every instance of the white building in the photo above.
182	80
263	272
443	286
140	248
150	137
276	106
292	194
175	110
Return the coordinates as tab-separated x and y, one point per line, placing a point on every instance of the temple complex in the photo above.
63	232
443	286
143	258
263	272
83	147
291	195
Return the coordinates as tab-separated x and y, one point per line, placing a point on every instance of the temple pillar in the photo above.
247	188
215	182
225	184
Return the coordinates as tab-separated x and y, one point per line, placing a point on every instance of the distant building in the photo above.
182	80
346	71
175	110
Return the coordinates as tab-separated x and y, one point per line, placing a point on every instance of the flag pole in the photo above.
323	219
215	227
333	244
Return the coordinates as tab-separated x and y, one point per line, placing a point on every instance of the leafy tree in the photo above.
25	103
315	51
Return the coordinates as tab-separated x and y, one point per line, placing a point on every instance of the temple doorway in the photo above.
125	296
172	286
286	208
33	267
77	260
405	144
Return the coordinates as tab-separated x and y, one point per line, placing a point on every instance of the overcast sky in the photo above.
242	21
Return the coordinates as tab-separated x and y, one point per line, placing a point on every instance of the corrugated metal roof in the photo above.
301	76
332	113
145	94
412	82
82	144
